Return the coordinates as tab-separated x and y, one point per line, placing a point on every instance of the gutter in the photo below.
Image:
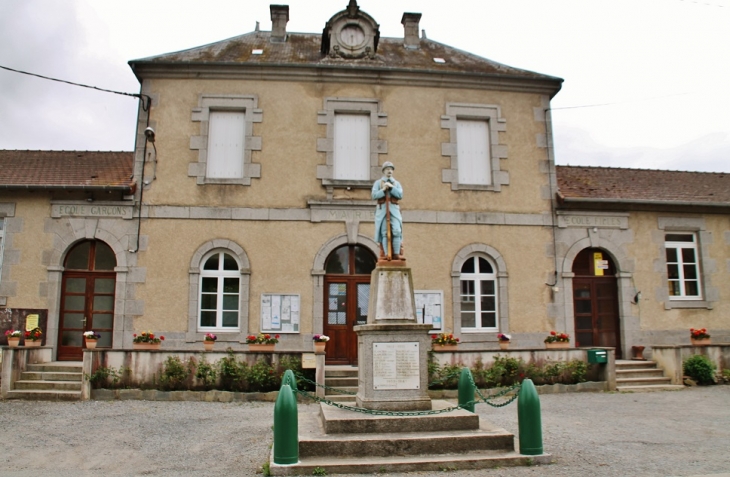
576	200
126	188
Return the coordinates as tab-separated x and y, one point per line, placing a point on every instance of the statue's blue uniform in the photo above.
396	221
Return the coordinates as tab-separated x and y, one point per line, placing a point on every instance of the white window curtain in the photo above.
472	137
352	147
226	144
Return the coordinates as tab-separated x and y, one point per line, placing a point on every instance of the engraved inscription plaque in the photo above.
395	366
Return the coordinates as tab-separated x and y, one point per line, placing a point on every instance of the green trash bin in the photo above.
597	356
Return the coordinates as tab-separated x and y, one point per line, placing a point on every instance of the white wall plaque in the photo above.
396	366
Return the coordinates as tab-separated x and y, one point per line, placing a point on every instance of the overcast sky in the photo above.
647	82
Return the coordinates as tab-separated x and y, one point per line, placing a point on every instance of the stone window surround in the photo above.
697	227
215	102
318	271
487	112
196	262
7	288
497	261
332	106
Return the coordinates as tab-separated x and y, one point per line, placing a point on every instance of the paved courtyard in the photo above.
680	433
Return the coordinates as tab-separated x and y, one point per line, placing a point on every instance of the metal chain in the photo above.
504	392
324	386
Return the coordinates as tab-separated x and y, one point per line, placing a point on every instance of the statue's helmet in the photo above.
388	164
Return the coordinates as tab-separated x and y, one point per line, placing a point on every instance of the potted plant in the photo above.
147	340
33	337
209	341
557	340
444	342
13	337
91	337
320	341
699	337
503	340
263	342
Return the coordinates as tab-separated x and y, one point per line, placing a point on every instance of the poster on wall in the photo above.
429	308
279	313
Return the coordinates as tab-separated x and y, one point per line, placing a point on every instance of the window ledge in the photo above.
685	304
348	183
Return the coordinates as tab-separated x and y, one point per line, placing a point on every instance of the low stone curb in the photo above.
228	396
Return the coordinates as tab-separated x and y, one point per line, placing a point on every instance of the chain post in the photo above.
466	390
289	379
529	420
286	427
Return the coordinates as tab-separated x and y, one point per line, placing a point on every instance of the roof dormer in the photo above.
351	33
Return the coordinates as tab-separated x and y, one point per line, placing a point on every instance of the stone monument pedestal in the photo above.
395	377
392	347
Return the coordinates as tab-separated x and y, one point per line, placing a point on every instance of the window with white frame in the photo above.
472	139
475	147
683	274
220	291
352	147
478	286
226	144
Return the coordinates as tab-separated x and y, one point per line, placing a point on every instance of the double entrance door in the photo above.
346	306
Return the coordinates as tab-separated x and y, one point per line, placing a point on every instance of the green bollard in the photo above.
529	419
286	427
466	390
289	379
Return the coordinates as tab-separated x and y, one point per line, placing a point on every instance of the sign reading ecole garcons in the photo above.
92	210
593	220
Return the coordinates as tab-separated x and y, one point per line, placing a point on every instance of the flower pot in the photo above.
91	344
702	342
445	348
32	344
558	345
13	342
504	345
319	346
208	345
146	346
261	348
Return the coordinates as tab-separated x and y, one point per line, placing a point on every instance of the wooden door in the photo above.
87	298
595	301
346	299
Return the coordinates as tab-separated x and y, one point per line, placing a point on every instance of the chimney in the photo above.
279	19
410	26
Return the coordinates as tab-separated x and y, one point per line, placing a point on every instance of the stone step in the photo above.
432	463
625	364
340	421
639	373
643	381
340	372
341	382
26	385
44	395
56	367
650	388
50	376
404	444
345	398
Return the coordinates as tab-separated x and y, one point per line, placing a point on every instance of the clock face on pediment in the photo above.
352	36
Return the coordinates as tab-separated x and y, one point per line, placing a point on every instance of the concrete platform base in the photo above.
363	443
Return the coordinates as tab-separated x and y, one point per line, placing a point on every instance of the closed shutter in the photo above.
472	139
352	147
225	144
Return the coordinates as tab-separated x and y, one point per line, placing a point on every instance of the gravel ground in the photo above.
679	433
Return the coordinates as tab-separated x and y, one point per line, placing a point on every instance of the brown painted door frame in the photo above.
595	302
345	306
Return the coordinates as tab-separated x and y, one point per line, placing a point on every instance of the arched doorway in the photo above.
346	297
87	298
595	300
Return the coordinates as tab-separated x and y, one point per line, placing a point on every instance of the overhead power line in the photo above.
134	95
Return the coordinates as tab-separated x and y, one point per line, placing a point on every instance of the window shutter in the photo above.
225	144
472	139
352	147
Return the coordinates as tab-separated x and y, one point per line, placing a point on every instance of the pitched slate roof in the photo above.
302	50
86	170
610	184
